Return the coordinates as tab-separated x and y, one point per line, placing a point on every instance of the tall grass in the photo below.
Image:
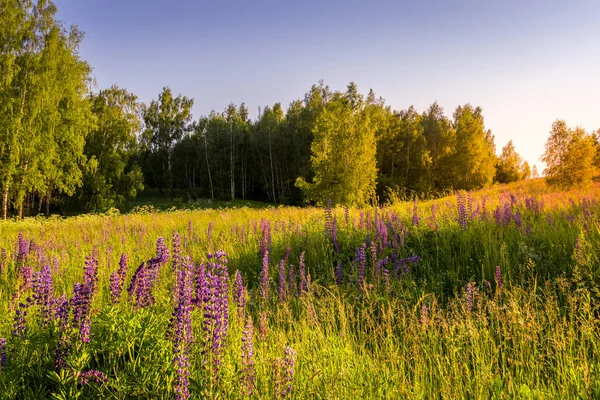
492	308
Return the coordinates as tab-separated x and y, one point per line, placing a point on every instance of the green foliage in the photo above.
473	157
343	152
45	113
167	121
511	167
111	175
569	157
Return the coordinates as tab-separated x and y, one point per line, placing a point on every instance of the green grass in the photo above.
536	337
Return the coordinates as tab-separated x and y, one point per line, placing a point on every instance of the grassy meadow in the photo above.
485	295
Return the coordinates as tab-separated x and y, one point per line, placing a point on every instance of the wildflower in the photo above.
182	325
415	216
361	259
469	297
176	245
3	352
248	369
498	277
424	315
239	292
281	287
338	273
284	373
43	293
262	326
92	376
303	285
264	276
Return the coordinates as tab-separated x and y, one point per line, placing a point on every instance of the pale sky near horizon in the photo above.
526	63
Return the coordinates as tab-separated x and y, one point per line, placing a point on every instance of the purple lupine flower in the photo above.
346	214
339	275
362	221
386	279
484	213
462	210
176	245
92	376
141	287
162	252
498	216
369	222
209	232
361	259
284	373
22	249
25	274
2	260
281	286
328	219
518	220
240	294
63	345
262	326
498	277
334	238
507	217
469	297
248	379
216	308
264	276
424	315
122	269
201	285
415	216
181	325
528	230
303	284
292	280
115	287
20	323
43	294
3	353
84	330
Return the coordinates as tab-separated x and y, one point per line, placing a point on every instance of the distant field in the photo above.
490	294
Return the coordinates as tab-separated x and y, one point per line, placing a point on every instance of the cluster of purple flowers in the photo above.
264	276
176	245
498	276
469	297
239	292
461	199
216	307
141	287
43	294
248	379
282	284
181	326
3	353
2	260
415	216
92	376
284	373
22	249
361	259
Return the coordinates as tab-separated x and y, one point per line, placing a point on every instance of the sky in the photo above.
526	63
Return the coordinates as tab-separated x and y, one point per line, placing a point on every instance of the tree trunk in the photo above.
210	182
5	198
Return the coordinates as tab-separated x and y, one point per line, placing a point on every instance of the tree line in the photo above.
62	143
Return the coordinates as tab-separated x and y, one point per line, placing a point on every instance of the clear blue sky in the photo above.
526	63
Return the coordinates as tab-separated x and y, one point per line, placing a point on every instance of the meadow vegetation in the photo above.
489	294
